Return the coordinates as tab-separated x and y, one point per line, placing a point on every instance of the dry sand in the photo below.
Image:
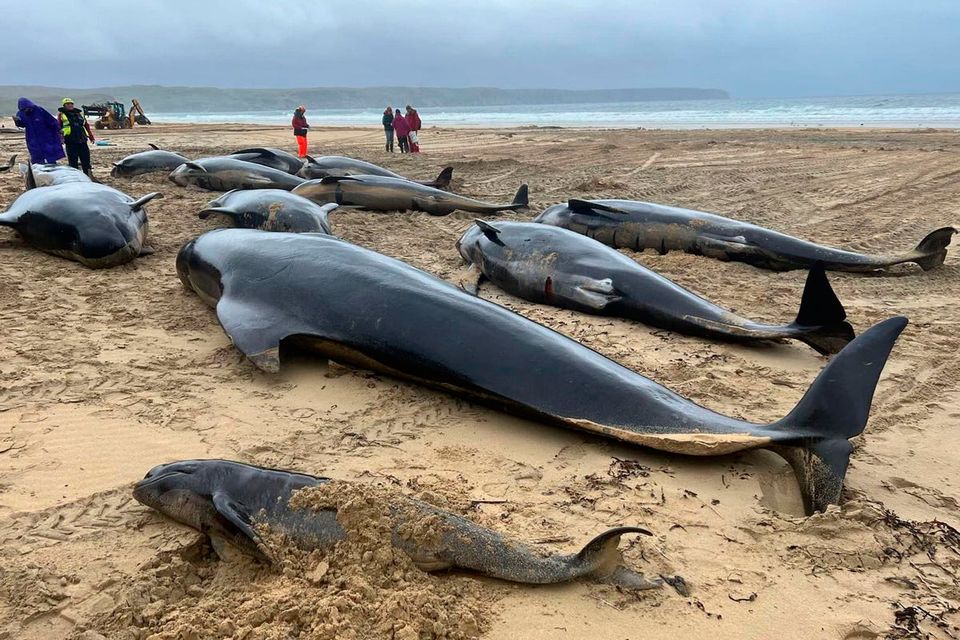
104	374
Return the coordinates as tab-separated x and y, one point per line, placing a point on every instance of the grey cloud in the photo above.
751	47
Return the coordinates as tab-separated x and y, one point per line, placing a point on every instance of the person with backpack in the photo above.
413	119
75	131
300	128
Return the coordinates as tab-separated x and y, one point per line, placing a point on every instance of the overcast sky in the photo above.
748	47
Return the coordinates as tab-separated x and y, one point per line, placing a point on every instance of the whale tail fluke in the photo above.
932	250
820	308
442	181
834	409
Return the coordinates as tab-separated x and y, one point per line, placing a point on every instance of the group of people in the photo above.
46	136
405	127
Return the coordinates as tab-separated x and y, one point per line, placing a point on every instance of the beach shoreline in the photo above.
104	374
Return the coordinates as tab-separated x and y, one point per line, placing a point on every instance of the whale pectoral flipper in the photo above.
582	291
814	437
253	332
471	277
239	520
13	161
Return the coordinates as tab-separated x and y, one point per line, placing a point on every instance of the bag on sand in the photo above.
413	137
414	143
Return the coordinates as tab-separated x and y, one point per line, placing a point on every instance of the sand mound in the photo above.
364	588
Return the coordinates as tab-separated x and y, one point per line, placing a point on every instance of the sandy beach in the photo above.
104	374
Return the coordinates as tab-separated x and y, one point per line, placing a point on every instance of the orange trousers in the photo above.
302	145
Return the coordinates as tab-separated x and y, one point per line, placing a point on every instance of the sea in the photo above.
901	111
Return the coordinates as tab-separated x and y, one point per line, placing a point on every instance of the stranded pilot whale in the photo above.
229	500
90	223
270	210
270	157
359	307
151	161
325	166
379	193
225	173
643	225
551	265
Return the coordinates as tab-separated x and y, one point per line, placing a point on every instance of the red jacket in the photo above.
299	121
401	126
413	119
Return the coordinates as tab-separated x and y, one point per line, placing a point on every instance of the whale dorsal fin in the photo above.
310	159
138	204
154	147
334	179
591	208
195	166
490	231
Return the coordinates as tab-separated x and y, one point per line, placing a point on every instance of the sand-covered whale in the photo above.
231	502
643	225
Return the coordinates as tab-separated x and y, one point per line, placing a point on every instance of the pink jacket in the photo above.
400	125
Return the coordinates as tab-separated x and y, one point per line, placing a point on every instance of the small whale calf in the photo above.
229	500
378	193
551	265
643	225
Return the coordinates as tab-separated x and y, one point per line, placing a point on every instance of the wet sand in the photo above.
104	374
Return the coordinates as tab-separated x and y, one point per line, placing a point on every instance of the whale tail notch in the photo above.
820	308
932	250
834	409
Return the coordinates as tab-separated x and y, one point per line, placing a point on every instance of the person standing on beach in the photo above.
42	132
300	127
413	119
388	128
402	130
75	131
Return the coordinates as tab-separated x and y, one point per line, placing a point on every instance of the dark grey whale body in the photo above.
644	225
226	500
378	193
270	210
270	157
327	166
90	223
224	173
551	265
363	308
144	162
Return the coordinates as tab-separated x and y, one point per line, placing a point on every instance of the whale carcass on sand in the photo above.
226	173
229	501
144	162
377	193
644	225
359	307
270	210
48	175
326	166
547	264
90	223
